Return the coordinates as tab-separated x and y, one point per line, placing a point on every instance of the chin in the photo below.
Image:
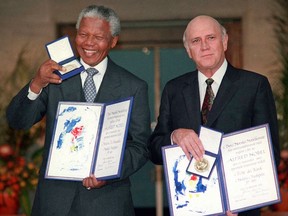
90	62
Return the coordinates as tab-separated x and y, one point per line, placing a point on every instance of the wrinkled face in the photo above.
94	40
205	44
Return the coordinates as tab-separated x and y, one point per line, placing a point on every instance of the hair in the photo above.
104	13
222	28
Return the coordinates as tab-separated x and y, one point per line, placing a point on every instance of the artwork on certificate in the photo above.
235	183
189	194
88	138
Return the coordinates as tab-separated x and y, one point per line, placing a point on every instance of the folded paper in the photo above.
89	138
244	177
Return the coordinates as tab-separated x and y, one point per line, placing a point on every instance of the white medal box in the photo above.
60	51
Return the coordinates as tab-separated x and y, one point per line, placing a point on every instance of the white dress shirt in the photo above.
101	68
217	77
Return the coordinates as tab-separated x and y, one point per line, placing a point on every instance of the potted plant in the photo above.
20	154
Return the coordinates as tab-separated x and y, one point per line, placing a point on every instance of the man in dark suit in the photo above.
242	99
97	32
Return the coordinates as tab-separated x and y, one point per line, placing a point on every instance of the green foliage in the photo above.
23	142
10	84
281	31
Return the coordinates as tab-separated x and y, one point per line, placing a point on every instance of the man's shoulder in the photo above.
246	73
184	78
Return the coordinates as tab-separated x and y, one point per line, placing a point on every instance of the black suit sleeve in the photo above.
161	135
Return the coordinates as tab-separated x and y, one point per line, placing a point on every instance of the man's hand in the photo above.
91	182
45	75
190	143
228	213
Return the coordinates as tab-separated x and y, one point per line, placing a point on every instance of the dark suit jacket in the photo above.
55	197
244	99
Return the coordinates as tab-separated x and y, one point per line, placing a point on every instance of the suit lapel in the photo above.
111	82
226	91
192	100
72	89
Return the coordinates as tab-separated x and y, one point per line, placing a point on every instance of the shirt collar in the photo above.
217	76
101	67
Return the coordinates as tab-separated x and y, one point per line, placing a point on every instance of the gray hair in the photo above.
104	13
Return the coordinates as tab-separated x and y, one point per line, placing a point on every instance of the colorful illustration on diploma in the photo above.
70	127
190	190
75	137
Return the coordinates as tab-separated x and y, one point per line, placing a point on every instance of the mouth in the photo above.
89	52
206	55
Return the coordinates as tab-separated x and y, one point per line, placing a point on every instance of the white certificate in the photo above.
89	138
113	139
249	169
243	178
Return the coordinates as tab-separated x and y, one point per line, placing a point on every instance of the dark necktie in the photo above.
89	85
208	100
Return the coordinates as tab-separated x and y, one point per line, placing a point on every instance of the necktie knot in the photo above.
209	81
91	71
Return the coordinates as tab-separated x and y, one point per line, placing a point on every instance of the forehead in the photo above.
94	23
203	26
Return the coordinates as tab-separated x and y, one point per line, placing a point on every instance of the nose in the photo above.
204	45
90	40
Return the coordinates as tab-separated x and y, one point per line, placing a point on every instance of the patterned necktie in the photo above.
89	85
208	100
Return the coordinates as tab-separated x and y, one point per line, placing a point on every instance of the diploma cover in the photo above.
89	138
244	177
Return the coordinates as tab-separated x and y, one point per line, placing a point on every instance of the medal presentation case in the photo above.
61	51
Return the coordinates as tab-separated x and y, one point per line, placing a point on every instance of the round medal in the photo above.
202	165
70	67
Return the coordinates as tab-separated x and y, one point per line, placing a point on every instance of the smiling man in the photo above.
98	29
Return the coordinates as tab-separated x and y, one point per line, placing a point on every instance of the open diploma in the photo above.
89	138
244	177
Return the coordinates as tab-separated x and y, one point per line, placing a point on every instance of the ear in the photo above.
225	42
114	41
188	50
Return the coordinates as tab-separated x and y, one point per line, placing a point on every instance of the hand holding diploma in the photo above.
91	182
229	213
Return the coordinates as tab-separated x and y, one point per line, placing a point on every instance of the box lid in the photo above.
59	50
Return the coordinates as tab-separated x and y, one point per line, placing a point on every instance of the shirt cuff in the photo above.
31	95
171	140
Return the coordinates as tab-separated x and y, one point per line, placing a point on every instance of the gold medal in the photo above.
69	67
202	165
